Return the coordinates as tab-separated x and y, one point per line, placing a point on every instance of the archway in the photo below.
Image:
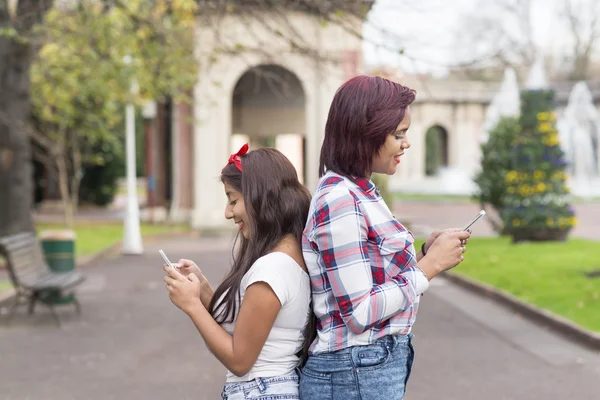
436	149
268	110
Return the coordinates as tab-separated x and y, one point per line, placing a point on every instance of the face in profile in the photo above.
236	210
389	156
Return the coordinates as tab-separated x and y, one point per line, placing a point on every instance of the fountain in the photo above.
506	102
579	133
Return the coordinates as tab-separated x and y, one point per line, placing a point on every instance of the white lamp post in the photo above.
132	237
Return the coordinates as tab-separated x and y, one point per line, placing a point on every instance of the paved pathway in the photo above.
132	343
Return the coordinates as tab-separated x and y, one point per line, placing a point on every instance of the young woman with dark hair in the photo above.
366	275
255	321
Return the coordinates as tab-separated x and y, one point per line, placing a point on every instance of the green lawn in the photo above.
93	237
547	275
5	286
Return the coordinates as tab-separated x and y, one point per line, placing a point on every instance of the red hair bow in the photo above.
236	157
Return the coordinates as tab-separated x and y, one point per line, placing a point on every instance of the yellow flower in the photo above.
540	187
545	127
559	176
551	140
516	222
543	116
573	221
549	221
537	175
511	176
524	190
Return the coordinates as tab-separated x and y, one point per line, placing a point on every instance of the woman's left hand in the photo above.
435	234
184	291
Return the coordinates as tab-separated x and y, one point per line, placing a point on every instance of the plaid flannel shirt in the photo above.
362	265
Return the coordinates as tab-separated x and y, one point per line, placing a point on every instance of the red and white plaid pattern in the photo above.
362	265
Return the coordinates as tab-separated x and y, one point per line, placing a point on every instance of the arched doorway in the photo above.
436	149
268	110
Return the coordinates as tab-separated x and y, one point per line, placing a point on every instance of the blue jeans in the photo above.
272	388
376	371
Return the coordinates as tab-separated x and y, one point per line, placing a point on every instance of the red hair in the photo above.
364	111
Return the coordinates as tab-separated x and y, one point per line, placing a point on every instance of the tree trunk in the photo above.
63	185
16	171
76	174
16	180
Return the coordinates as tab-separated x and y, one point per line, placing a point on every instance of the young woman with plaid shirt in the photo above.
366	276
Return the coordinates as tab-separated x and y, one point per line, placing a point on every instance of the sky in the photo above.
432	32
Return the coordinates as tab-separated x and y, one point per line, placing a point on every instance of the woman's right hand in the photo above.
447	250
186	267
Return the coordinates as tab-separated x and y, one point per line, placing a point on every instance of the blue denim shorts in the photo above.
376	371
271	388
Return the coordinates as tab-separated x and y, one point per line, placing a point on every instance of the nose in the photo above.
406	145
228	212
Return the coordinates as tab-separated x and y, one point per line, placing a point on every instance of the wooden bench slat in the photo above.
12	243
61	281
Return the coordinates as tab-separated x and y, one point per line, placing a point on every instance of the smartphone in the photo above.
164	256
481	214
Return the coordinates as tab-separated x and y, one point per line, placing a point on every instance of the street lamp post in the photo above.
132	238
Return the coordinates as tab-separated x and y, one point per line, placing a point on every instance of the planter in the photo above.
540	235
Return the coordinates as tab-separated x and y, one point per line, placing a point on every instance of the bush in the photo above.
496	162
536	206
99	182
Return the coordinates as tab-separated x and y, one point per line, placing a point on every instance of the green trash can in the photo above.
59	250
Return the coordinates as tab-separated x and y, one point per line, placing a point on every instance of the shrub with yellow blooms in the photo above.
536	206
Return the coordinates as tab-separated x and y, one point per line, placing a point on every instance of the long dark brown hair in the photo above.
277	205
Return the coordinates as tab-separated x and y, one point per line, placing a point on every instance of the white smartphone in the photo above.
164	256
481	214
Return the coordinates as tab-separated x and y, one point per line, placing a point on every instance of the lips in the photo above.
397	157
240	225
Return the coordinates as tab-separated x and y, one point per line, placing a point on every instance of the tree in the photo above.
22	34
82	78
583	21
501	34
536	206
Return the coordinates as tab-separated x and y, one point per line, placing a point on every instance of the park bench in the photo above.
32	278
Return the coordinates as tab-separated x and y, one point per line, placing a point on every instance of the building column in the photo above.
182	162
315	129
212	133
291	146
